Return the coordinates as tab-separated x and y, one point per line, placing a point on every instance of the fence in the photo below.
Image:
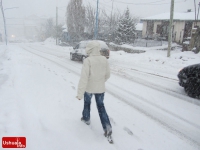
147	43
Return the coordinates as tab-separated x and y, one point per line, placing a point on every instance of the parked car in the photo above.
189	78
79	53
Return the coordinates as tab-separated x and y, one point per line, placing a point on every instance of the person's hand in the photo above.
78	98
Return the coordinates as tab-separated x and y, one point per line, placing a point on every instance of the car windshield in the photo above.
103	45
83	44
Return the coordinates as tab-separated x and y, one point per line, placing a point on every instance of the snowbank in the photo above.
50	40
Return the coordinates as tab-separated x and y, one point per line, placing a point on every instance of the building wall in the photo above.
198	24
144	29
178	31
30	32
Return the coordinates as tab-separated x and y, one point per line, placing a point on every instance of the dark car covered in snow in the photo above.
79	53
189	78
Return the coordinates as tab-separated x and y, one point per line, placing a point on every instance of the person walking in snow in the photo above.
95	72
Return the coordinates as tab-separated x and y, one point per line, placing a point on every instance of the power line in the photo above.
104	6
111	7
22	19
13	24
150	3
107	2
140	3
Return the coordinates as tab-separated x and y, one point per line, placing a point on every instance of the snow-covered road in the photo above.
147	111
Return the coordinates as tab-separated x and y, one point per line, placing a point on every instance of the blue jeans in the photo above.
101	109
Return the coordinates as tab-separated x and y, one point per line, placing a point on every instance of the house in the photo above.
157	26
138	29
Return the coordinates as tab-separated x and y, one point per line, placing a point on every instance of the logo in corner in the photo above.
13	142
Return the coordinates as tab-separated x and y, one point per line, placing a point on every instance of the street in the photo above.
148	111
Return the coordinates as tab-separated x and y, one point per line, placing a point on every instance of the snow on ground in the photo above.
155	60
38	86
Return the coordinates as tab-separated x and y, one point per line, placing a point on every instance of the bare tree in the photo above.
57	31
106	25
89	20
80	19
109	24
48	29
75	19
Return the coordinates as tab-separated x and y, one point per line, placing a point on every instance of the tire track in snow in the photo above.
167	124
148	84
162	120
158	88
131	69
145	83
154	105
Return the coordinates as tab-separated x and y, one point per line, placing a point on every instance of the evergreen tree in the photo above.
125	32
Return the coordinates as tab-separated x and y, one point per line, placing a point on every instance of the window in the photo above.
150	25
159	29
83	45
77	47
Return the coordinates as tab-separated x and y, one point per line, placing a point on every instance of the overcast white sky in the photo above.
47	8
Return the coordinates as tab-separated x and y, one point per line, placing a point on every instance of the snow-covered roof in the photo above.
139	26
177	16
65	30
64	26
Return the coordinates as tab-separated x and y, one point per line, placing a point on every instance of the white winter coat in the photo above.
95	71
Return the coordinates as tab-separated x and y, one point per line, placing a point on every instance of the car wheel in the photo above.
71	56
189	91
192	88
83	58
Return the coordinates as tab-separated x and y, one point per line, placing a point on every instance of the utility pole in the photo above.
170	28
198	12
111	18
195	12
56	25
96	28
4	20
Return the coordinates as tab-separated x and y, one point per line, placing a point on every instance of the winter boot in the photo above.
86	122
107	133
